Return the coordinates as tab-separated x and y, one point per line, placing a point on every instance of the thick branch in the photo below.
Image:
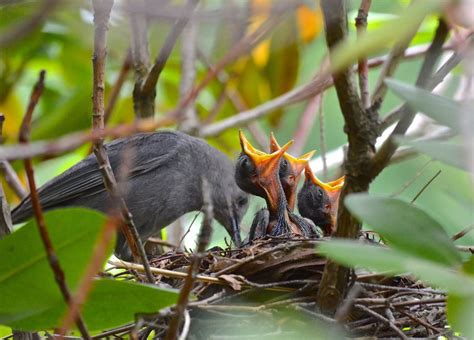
361	128
189	122
102	10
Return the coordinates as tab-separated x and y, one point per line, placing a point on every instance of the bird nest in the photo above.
269	288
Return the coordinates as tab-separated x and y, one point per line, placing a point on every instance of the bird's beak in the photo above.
297	166
330	188
267	168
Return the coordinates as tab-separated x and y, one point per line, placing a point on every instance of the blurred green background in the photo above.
292	56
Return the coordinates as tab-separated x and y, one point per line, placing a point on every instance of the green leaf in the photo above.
26	280
460	312
448	153
468	266
30	298
382	259
405	227
110	304
396	30
444	110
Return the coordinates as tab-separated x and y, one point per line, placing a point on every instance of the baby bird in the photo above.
318	201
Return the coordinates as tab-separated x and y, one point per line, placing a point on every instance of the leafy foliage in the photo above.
31	299
418	245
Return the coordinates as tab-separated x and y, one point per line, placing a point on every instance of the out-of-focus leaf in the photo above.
449	153
26	280
444	110
5	331
72	115
405	227
110	304
357	254
31	299
282	68
11	109
468	266
377	20
396	30
310	22
460	311
260	10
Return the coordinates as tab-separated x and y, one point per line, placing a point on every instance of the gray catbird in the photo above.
318	201
164	182
258	173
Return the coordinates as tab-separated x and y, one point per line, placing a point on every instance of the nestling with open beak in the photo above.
319	201
258	173
291	169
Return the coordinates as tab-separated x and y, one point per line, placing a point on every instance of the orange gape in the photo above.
291	178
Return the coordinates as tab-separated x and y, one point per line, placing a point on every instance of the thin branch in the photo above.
361	127
28	25
5	216
306	123
383	319
462	233
245	45
315	86
203	241
12	179
35	201
362	67
74	140
412	180
425	186
149	83
387	150
115	91
102	10
180	275
85	285
390	65
322	137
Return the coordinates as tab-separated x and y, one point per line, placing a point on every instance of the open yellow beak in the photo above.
297	164
330	187
267	168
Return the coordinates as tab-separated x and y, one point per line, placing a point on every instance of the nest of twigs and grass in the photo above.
268	289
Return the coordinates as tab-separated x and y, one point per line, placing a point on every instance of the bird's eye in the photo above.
320	193
247	164
284	164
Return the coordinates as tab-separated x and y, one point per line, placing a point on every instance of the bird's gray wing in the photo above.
84	179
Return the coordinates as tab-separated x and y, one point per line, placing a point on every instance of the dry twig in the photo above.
35	201
203	240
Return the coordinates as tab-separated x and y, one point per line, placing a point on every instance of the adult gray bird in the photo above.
164	182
